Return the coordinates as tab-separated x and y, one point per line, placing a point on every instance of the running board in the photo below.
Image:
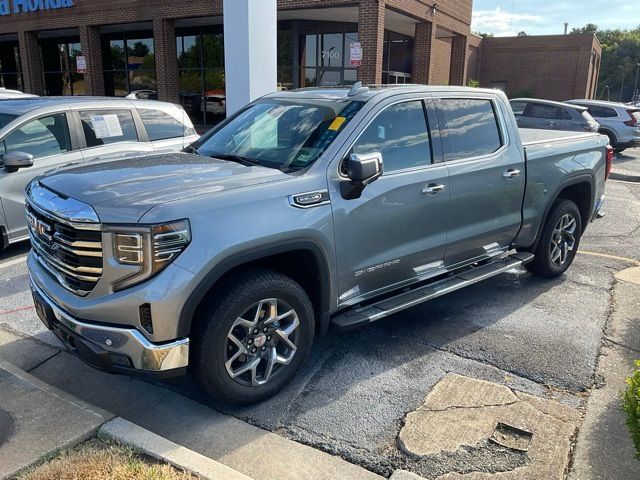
407	299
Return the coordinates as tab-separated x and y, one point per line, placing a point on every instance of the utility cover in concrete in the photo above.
464	412
39	420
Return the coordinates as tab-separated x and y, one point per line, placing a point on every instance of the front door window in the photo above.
43	137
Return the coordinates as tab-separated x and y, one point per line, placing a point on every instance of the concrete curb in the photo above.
123	431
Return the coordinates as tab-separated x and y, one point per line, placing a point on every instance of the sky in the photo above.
543	17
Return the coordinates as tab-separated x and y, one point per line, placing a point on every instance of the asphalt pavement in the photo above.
540	337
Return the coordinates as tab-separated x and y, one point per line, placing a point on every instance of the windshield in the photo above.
6	119
282	134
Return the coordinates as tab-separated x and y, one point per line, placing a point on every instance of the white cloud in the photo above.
500	23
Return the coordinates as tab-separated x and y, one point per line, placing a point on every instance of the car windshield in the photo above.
284	134
6	119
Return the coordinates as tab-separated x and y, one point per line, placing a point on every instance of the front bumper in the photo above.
113	349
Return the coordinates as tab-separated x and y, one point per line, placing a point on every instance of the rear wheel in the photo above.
612	140
258	332
559	241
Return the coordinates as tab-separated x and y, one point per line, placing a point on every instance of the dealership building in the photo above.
176	48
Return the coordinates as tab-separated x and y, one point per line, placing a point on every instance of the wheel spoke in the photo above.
250	365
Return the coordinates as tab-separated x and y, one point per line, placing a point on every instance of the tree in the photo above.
620	56
484	35
588	28
522	34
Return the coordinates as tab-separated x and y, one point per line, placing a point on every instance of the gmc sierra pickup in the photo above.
305	209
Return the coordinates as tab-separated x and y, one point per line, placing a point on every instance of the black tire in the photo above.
241	293
545	263
619	150
612	139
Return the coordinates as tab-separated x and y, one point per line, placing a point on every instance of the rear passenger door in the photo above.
486	176
108	133
166	132
541	116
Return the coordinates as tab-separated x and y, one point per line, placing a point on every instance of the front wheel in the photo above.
559	241
258	332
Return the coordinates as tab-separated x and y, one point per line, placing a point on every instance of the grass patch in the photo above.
99	460
631	404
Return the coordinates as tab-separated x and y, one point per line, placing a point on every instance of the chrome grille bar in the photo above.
69	250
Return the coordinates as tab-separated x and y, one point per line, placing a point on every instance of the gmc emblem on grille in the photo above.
40	228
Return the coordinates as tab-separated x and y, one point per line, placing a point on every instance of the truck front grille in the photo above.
71	252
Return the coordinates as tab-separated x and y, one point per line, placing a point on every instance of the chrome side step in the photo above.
407	299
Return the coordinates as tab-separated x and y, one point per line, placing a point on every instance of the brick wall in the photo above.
425	35
441	63
555	67
371	36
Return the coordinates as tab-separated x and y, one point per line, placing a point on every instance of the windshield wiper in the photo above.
236	158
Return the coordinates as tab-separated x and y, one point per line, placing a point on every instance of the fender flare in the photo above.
574	180
210	278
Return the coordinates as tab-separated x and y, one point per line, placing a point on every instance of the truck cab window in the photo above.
400	134
43	137
471	128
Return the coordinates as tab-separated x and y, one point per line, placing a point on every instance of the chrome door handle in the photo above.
433	188
511	173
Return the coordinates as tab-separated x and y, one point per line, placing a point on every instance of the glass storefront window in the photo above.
10	68
59	65
129	63
397	58
201	73
331	53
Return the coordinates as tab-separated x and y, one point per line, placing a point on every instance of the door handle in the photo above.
433	188
511	173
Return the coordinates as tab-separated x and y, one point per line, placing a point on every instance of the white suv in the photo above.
619	122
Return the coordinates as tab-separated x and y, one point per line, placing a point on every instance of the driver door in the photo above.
395	233
48	140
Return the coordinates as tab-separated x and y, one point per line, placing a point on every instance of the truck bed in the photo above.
541	143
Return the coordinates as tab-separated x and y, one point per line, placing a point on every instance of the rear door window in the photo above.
102	127
541	110
161	125
470	129
400	134
518	108
43	137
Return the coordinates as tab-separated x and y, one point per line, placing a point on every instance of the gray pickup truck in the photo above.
305	209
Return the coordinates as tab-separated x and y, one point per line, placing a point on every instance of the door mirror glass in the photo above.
14	161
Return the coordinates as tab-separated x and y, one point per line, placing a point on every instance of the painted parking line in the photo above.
611	257
15	261
16	310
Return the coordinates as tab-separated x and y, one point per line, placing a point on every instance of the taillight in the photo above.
633	121
610	156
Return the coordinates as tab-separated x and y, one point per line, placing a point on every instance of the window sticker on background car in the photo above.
381	132
106	126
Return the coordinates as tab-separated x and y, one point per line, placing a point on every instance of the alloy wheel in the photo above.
261	342
563	239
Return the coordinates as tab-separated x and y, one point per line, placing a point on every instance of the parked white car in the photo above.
6	93
619	122
47	132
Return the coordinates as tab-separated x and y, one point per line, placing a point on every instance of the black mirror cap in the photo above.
14	161
362	169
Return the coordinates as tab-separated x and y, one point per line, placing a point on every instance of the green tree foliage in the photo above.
631	404
620	58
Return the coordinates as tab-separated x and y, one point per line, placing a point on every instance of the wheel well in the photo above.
580	194
610	134
4	238
300	265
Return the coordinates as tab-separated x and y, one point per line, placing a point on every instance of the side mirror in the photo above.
361	170
14	161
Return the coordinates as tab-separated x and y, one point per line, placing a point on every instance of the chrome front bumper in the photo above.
117	349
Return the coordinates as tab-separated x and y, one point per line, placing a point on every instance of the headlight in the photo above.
147	250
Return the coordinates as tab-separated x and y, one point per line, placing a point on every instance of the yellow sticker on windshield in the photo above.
337	123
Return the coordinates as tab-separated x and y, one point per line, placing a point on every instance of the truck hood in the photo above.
123	190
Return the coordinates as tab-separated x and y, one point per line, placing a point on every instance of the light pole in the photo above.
635	89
